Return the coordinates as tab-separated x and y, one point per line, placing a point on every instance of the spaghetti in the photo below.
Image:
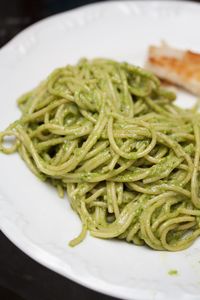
128	157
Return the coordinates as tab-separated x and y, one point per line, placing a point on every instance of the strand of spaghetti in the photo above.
133	155
194	187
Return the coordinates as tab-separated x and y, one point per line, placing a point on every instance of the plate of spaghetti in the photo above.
100	160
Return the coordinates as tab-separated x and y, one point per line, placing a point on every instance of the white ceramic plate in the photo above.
31	214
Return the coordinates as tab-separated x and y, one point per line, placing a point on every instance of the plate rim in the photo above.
89	6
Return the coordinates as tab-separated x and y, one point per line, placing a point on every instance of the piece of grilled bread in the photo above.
176	66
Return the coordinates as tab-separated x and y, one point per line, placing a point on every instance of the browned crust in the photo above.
188	67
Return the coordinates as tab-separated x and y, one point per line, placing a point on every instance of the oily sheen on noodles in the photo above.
128	157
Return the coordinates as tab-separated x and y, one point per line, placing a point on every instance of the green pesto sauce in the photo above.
173	272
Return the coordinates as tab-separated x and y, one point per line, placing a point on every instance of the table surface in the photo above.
21	278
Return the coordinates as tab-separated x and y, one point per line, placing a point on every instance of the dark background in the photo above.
21	278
